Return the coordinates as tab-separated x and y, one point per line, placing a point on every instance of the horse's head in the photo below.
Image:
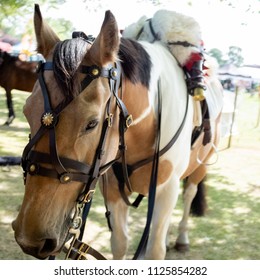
73	116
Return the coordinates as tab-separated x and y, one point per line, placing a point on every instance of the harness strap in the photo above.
204	127
155	35
80	250
123	177
153	183
182	43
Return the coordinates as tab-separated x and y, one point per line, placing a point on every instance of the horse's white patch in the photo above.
143	115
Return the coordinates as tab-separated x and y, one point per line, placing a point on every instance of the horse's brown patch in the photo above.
139	180
141	177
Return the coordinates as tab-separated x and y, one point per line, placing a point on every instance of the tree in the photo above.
216	53
235	56
16	17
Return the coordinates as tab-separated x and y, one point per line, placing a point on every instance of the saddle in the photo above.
181	35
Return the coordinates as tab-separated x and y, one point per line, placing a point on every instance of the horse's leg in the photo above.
119	235
166	198
9	103
117	214
190	190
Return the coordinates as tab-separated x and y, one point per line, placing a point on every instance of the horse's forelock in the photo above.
67	56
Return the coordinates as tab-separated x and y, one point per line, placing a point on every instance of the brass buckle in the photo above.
75	234
81	252
110	120
88	196
129	121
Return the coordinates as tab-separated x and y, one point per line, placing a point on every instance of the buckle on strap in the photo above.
88	196
79	251
110	120
128	121
83	250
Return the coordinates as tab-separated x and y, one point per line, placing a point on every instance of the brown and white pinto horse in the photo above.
70	148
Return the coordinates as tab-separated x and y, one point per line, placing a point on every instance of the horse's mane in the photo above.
7	57
136	61
68	55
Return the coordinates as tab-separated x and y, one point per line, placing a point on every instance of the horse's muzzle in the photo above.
40	248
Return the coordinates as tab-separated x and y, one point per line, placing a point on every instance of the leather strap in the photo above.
80	250
120	172
153	183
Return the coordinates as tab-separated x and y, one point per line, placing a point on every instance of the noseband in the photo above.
64	169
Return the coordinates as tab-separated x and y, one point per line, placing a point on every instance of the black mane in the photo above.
136	62
68	55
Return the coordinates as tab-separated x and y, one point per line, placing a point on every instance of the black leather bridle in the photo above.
64	169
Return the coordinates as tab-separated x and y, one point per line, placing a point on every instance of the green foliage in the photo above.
16	17
216	53
234	56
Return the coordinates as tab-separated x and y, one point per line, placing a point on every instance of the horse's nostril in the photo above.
40	249
49	246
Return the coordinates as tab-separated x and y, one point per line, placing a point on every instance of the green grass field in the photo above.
230	230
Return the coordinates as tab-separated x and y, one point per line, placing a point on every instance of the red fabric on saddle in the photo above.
193	58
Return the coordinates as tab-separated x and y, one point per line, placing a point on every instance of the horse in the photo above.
94	109
15	74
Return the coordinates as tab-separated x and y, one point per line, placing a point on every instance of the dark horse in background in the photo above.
15	74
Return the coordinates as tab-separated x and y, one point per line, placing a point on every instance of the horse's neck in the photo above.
168	78
140	136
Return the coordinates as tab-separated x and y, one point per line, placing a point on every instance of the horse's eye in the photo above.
92	124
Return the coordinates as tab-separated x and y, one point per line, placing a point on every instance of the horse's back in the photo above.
16	74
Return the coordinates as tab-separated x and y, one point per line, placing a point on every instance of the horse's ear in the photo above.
106	45
46	37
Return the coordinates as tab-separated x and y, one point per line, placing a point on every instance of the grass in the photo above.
230	230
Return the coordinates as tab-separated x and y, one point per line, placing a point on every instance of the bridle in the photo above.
64	169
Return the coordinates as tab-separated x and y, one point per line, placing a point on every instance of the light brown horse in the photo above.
79	115
15	74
